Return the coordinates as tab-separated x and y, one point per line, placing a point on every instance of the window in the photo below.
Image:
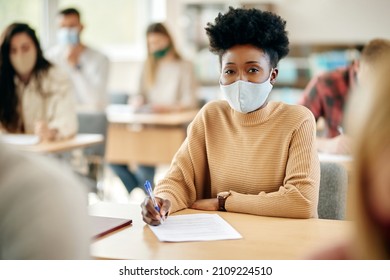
116	29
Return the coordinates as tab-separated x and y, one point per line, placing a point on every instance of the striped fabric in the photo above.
267	159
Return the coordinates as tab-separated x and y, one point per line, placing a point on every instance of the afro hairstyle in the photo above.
262	29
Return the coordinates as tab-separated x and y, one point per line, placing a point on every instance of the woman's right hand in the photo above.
150	215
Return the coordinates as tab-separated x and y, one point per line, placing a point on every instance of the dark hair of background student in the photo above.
69	11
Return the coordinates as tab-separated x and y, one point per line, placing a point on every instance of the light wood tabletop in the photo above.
79	141
263	237
124	114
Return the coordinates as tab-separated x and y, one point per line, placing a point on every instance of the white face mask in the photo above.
246	97
24	63
68	36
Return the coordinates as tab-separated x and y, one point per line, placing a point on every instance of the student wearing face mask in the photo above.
327	94
35	95
87	68
244	154
167	84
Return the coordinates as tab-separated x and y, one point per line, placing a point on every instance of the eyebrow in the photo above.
247	62
252	61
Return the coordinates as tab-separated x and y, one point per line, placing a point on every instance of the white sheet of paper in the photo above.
334	158
19	139
195	227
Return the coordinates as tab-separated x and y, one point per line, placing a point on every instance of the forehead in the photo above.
156	37
243	53
21	39
68	20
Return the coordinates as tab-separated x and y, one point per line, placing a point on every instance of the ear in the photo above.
81	27
274	74
356	65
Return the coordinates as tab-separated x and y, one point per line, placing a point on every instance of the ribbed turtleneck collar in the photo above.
256	117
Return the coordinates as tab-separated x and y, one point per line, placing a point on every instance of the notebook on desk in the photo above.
101	226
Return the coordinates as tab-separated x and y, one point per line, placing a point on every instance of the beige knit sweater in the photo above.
267	159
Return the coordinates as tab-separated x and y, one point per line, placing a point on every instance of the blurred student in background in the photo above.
370	186
35	95
43	209
168	84
88	68
326	96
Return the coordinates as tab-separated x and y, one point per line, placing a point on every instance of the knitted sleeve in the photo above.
188	170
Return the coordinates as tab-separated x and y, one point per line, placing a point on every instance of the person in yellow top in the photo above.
244	154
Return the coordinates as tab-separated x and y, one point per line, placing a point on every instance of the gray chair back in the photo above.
118	97
333	191
93	122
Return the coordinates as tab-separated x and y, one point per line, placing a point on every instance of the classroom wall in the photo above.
124	76
308	22
335	21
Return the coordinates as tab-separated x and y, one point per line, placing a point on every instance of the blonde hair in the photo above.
373	51
369	127
151	62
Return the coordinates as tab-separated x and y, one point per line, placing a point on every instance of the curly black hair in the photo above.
262	29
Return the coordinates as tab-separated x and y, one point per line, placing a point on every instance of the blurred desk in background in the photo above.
144	138
344	160
28	144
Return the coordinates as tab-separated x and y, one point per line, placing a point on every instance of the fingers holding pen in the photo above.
165	207
152	216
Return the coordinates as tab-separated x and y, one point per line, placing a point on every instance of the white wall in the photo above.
335	21
308	22
124	76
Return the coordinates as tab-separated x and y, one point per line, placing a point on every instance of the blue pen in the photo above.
149	190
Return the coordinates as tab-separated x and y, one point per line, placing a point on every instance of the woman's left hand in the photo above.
44	132
210	204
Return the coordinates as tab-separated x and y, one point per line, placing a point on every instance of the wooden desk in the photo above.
263	237
79	141
144	138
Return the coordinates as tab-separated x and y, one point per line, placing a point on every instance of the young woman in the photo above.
168	84
245	154
34	95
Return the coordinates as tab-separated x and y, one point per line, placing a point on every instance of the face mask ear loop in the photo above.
270	74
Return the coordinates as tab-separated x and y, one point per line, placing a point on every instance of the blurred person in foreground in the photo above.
370	207
35	95
244	154
168	84
43	209
87	67
327	94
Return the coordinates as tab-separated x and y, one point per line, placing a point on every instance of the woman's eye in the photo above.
253	70
229	71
